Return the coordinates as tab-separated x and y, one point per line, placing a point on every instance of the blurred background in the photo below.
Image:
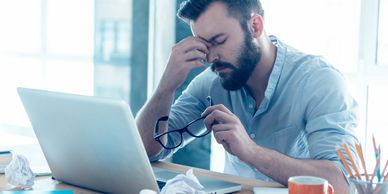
118	49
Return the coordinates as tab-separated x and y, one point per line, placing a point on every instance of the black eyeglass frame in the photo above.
181	131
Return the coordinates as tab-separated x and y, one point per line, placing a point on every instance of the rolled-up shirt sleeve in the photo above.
331	116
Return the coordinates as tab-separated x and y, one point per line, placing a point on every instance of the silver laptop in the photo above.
94	143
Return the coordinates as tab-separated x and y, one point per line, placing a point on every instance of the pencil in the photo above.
385	168
377	155
342	158
361	156
378	168
374	145
352	161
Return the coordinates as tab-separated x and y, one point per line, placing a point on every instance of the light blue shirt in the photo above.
306	112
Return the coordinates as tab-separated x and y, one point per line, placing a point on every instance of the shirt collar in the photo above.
273	81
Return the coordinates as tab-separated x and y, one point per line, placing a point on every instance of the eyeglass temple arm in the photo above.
165	118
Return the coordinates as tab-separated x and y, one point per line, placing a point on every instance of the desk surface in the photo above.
46	183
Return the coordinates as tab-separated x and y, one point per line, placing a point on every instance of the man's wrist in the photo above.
164	91
253	153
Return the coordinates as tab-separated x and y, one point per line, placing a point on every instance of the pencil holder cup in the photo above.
367	187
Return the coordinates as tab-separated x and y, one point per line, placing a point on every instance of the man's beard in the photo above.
249	57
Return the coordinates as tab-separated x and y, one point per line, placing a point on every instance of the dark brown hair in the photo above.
190	10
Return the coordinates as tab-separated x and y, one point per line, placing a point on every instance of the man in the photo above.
277	112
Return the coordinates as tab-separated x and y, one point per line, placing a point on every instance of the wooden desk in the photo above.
45	183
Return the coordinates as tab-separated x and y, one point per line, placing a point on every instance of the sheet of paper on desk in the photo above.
268	190
39	192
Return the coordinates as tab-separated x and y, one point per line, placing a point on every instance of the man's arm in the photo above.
229	132
185	56
280	167
158	106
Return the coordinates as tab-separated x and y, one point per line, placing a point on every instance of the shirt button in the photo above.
250	106
252	135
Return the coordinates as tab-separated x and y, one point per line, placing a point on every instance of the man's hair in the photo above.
190	10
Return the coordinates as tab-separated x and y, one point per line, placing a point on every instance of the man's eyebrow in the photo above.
212	38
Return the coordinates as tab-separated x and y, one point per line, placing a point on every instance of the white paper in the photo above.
183	184
147	191
269	190
19	173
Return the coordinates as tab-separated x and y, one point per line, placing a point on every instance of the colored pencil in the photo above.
354	165
375	170
361	156
342	158
385	168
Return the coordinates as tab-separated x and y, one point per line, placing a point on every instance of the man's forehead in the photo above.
206	37
213	21
208	33
196	33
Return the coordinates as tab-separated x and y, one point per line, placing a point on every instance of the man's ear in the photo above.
256	25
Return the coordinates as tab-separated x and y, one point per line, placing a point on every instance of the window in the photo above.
373	75
382	57
70	34
26	17
43	46
84	47
377	120
324	27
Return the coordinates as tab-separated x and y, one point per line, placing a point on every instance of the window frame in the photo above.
370	72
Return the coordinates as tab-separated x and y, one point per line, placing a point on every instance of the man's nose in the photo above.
212	57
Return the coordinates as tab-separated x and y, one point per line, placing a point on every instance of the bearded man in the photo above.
277	111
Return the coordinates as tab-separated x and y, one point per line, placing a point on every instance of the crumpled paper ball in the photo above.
183	184
18	173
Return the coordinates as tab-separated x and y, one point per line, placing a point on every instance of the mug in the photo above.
309	185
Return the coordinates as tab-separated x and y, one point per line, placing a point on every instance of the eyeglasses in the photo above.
192	129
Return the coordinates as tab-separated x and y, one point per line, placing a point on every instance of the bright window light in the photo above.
17	72
70	27
382	57
46	44
377	121
324	27
70	76
20	22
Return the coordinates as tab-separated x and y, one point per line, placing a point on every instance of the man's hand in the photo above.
185	56
229	131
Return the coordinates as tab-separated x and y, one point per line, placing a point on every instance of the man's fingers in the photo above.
216	116
222	127
195	55
192	44
205	42
219	107
221	136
